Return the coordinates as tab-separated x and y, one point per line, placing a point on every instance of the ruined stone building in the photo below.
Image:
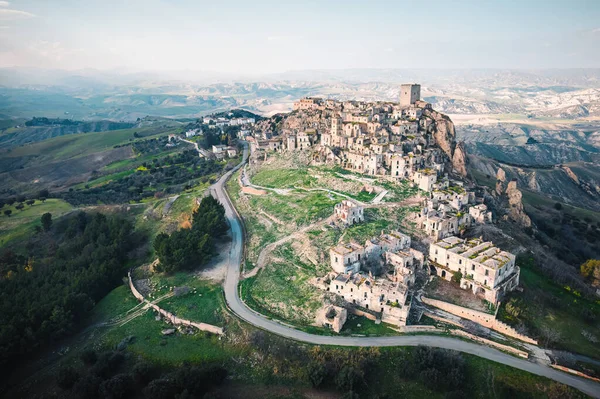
485	270
480	214
349	212
332	317
388	298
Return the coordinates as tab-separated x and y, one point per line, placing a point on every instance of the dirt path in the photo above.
262	257
169	204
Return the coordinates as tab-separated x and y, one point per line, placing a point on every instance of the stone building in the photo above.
409	94
480	214
425	179
309	103
332	317
388	298
486	270
349	212
346	257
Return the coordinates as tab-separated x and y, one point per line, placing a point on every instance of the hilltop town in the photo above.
389	147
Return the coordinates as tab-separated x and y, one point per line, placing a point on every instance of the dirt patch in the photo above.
446	291
216	269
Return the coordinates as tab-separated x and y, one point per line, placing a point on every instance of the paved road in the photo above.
254	318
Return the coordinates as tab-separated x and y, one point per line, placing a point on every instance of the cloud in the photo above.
10	14
4	3
597	30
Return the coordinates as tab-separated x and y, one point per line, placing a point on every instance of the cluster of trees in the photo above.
359	372
46	291
22	200
193	247
150	146
169	174
212	137
36	121
117	375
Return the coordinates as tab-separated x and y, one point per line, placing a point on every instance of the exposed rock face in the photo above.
499	188
444	135
459	159
532	182
570	173
516	212
501	175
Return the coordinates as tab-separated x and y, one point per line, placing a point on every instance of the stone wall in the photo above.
485	319
488	342
170	316
575	372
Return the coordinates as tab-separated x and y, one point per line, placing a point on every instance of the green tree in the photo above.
30	202
456	277
119	386
316	373
67	377
46	221
7	212
20	206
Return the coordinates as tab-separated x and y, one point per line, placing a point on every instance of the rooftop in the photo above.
483	252
344	249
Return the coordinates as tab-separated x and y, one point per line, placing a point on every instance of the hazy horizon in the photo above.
266	37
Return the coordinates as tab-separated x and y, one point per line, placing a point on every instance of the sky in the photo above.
262	37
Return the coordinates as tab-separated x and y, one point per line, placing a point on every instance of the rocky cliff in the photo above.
508	192
444	135
516	212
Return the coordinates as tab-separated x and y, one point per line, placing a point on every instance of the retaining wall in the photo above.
488	342
575	372
170	316
485	319
359	312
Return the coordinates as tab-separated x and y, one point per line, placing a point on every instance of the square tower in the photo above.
409	94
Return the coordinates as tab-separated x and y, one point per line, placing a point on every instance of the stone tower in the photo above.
409	94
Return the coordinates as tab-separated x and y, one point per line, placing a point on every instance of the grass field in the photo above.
283	287
204	303
21	223
546	305
299	207
117	302
171	350
289	178
76	145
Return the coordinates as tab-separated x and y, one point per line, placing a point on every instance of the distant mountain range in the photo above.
92	95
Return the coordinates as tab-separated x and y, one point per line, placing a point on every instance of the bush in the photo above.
89	357
88	387
456	277
160	389
67	377
143	372
118	387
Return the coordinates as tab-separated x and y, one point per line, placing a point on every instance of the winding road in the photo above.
245	313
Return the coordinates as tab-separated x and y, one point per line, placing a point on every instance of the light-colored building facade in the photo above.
486	270
349	212
409	94
388	298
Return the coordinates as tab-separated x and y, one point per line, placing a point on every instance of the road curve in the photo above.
245	313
